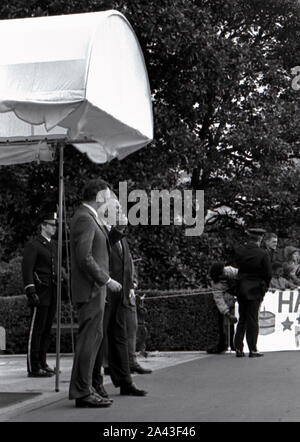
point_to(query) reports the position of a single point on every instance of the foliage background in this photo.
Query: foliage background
(225, 115)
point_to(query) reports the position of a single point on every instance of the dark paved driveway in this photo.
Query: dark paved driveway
(217, 388)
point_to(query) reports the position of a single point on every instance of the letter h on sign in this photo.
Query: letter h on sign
(289, 301)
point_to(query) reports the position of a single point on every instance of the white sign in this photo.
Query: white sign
(279, 321)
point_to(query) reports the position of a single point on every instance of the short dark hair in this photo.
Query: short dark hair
(216, 271)
(92, 187)
(269, 235)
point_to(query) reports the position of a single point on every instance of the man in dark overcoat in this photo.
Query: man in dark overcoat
(115, 343)
(39, 269)
(254, 276)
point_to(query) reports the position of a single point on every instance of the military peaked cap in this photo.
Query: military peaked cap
(256, 232)
(48, 216)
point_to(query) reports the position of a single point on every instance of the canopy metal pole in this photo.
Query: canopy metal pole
(68, 273)
(59, 260)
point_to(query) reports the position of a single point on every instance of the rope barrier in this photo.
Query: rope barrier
(172, 296)
(184, 293)
(175, 293)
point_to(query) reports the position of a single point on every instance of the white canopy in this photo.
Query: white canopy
(81, 78)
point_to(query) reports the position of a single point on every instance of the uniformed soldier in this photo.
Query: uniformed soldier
(39, 268)
(254, 276)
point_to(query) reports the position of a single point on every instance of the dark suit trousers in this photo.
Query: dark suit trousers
(131, 325)
(248, 323)
(89, 338)
(115, 343)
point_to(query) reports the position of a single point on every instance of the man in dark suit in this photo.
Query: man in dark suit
(254, 276)
(90, 279)
(39, 269)
(115, 343)
(269, 243)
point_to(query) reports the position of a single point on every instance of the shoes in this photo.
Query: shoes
(255, 354)
(137, 368)
(48, 369)
(239, 354)
(100, 390)
(40, 373)
(92, 401)
(213, 351)
(131, 390)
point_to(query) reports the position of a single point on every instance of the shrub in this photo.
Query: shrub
(11, 282)
(15, 318)
(183, 323)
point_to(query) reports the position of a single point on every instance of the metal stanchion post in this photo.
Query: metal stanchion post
(228, 337)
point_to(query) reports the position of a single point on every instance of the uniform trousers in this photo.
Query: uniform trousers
(248, 324)
(89, 338)
(114, 343)
(39, 335)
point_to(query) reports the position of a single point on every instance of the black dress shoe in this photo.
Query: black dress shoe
(215, 351)
(92, 401)
(48, 369)
(39, 374)
(137, 368)
(255, 354)
(239, 354)
(131, 390)
(100, 390)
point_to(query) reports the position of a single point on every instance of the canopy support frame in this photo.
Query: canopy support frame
(59, 260)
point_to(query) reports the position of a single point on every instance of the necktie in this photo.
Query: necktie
(119, 245)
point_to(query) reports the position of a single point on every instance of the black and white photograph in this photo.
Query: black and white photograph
(149, 215)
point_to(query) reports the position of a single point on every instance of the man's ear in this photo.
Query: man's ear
(101, 196)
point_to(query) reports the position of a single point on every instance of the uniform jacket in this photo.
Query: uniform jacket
(122, 269)
(90, 250)
(39, 267)
(255, 271)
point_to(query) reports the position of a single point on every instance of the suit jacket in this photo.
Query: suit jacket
(255, 271)
(39, 268)
(90, 251)
(121, 268)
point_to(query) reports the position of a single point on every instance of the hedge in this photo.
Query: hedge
(15, 318)
(183, 323)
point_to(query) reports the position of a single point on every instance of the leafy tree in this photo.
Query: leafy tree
(224, 112)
